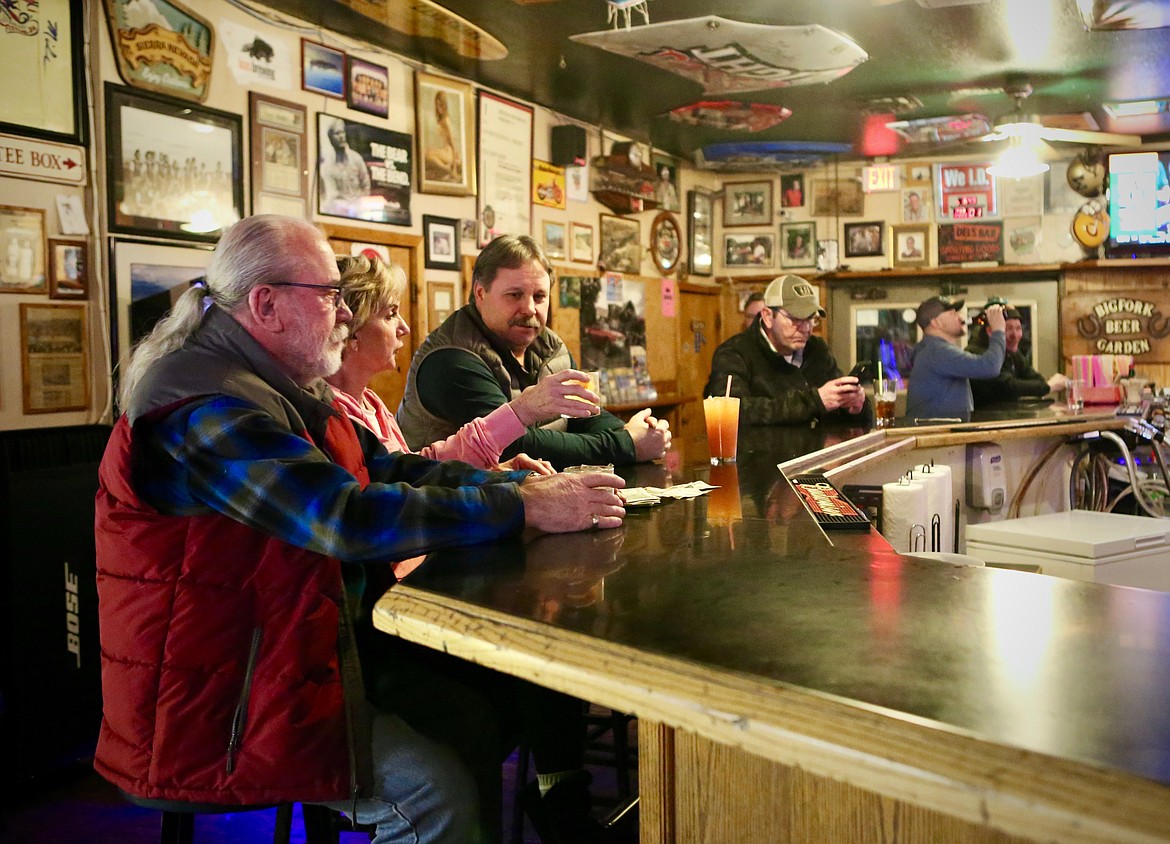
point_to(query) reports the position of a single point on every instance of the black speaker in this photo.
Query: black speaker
(50, 670)
(568, 146)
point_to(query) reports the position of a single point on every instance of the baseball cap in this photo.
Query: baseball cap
(934, 306)
(795, 295)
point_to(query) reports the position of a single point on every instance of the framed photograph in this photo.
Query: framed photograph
(174, 167)
(322, 69)
(665, 242)
(581, 243)
(700, 232)
(917, 176)
(747, 203)
(910, 245)
(505, 167)
(367, 87)
(749, 250)
(145, 280)
(68, 269)
(828, 255)
(916, 205)
(22, 250)
(363, 171)
(280, 158)
(863, 240)
(666, 182)
(832, 198)
(798, 245)
(441, 241)
(44, 84)
(577, 183)
(469, 225)
(440, 302)
(621, 246)
(554, 239)
(445, 125)
(54, 358)
(792, 191)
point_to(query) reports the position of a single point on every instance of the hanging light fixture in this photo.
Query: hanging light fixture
(1020, 160)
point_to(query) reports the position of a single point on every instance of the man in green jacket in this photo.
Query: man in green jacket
(490, 350)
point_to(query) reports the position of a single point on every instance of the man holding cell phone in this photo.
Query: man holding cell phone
(781, 372)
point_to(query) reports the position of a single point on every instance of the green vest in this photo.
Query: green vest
(464, 329)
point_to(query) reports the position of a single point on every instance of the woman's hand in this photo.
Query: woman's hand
(522, 461)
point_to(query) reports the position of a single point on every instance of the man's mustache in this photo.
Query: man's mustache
(525, 323)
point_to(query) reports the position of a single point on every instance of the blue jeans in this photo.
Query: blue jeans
(426, 795)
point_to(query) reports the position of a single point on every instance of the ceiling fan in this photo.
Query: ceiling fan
(1017, 127)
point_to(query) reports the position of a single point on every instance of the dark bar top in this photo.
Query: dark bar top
(742, 580)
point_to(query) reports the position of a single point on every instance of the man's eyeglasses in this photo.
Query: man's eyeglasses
(335, 290)
(809, 322)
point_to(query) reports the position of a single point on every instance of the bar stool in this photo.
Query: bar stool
(178, 819)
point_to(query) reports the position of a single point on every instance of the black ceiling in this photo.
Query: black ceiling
(942, 56)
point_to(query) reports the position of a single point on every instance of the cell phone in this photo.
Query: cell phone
(862, 371)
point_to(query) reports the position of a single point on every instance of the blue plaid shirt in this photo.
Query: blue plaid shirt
(225, 455)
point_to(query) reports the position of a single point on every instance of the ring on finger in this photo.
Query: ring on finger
(596, 520)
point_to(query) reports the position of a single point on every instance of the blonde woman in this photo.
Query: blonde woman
(373, 291)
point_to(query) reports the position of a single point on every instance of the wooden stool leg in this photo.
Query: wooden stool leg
(283, 831)
(178, 828)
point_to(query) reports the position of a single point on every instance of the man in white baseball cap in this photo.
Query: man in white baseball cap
(782, 373)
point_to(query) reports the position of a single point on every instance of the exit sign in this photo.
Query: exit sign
(881, 177)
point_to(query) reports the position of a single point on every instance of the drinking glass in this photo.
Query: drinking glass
(885, 396)
(594, 384)
(1074, 395)
(722, 415)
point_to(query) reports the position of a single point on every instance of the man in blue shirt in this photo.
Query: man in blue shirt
(940, 386)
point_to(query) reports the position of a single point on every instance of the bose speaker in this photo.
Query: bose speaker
(568, 146)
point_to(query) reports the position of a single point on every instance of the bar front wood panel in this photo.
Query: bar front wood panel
(991, 788)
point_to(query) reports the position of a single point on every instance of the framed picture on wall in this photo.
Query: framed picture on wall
(554, 239)
(22, 250)
(322, 69)
(747, 203)
(440, 303)
(145, 280)
(863, 240)
(363, 172)
(665, 242)
(54, 358)
(505, 167)
(910, 245)
(621, 246)
(68, 269)
(837, 198)
(749, 250)
(280, 158)
(43, 95)
(798, 245)
(792, 190)
(367, 87)
(441, 242)
(445, 125)
(581, 243)
(700, 232)
(666, 182)
(174, 168)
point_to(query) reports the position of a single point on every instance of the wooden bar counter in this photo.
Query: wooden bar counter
(798, 687)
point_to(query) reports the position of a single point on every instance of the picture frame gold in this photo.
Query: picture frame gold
(910, 245)
(621, 246)
(747, 203)
(446, 141)
(54, 357)
(441, 302)
(665, 243)
(554, 239)
(22, 250)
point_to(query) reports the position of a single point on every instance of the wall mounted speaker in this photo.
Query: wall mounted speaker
(568, 146)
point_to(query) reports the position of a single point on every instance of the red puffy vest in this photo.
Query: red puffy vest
(221, 677)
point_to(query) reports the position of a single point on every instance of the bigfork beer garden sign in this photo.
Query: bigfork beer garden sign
(1123, 322)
